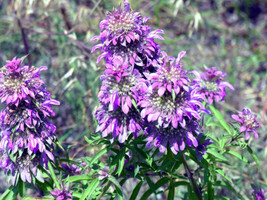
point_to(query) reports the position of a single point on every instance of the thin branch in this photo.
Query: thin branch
(25, 42)
(192, 181)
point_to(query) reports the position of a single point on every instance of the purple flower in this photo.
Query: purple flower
(72, 169)
(124, 34)
(211, 85)
(119, 89)
(177, 138)
(258, 194)
(62, 194)
(118, 123)
(248, 122)
(17, 83)
(103, 173)
(26, 133)
(170, 76)
(167, 99)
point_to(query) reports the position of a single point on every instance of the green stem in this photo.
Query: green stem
(104, 190)
(53, 175)
(192, 181)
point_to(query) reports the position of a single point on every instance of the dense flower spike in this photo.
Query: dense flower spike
(27, 135)
(172, 106)
(168, 99)
(119, 88)
(248, 122)
(211, 85)
(258, 194)
(170, 76)
(177, 137)
(16, 83)
(118, 123)
(62, 194)
(124, 34)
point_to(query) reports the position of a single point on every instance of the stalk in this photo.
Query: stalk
(192, 181)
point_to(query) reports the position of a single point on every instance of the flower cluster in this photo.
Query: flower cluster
(248, 122)
(27, 135)
(62, 194)
(171, 107)
(124, 33)
(258, 194)
(143, 89)
(129, 49)
(211, 85)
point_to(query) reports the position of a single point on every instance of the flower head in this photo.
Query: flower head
(211, 85)
(17, 83)
(62, 194)
(119, 88)
(170, 76)
(248, 122)
(118, 123)
(125, 33)
(26, 133)
(258, 194)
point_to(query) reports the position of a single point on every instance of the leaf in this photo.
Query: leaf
(220, 118)
(254, 157)
(117, 185)
(160, 183)
(90, 189)
(223, 175)
(98, 155)
(136, 190)
(237, 155)
(6, 193)
(216, 154)
(171, 190)
(79, 178)
(121, 162)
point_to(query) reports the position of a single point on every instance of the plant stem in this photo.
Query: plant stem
(53, 175)
(25, 42)
(104, 190)
(192, 181)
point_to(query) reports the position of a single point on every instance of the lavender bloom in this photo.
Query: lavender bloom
(258, 194)
(170, 76)
(177, 137)
(172, 108)
(118, 123)
(162, 105)
(248, 122)
(211, 85)
(27, 135)
(119, 88)
(124, 33)
(62, 194)
(16, 83)
(72, 169)
(103, 173)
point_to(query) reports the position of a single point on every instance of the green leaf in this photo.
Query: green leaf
(79, 178)
(220, 118)
(117, 185)
(237, 155)
(160, 183)
(88, 140)
(6, 193)
(136, 190)
(171, 190)
(222, 197)
(121, 162)
(223, 175)
(53, 175)
(254, 157)
(22, 189)
(90, 189)
(99, 154)
(216, 154)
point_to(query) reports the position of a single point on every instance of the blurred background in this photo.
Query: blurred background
(230, 35)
